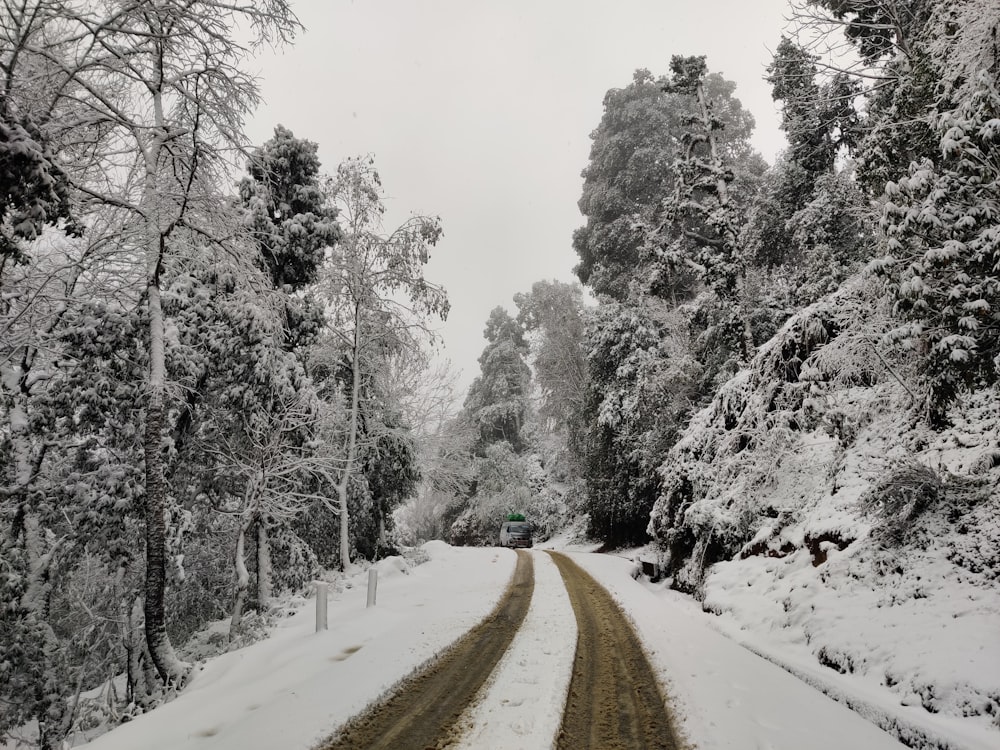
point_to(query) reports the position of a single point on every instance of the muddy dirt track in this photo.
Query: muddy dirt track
(422, 712)
(614, 701)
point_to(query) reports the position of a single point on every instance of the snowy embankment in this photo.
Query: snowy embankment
(726, 697)
(297, 686)
(829, 528)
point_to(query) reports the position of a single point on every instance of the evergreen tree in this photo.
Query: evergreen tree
(497, 402)
(552, 313)
(701, 221)
(292, 223)
(33, 187)
(943, 226)
(631, 171)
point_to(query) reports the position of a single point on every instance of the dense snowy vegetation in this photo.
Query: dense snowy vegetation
(787, 383)
(195, 410)
(782, 378)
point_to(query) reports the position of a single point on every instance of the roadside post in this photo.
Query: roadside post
(321, 591)
(372, 586)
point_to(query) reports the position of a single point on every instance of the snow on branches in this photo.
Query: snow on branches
(942, 223)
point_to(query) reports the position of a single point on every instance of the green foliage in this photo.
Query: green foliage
(290, 218)
(391, 472)
(818, 118)
(899, 128)
(809, 219)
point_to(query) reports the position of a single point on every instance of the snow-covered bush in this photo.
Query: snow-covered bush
(717, 480)
(908, 490)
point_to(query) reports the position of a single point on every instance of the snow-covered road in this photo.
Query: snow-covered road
(298, 686)
(521, 705)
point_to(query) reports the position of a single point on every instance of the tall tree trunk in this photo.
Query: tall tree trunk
(242, 582)
(263, 565)
(713, 145)
(171, 669)
(142, 676)
(352, 441)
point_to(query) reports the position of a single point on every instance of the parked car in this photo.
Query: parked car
(515, 534)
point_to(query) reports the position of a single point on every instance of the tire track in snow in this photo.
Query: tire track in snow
(423, 710)
(521, 705)
(614, 701)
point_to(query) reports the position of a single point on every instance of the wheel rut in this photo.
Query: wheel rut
(423, 710)
(614, 699)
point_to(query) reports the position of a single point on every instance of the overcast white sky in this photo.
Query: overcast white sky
(480, 113)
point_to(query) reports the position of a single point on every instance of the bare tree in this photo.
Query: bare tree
(377, 295)
(274, 456)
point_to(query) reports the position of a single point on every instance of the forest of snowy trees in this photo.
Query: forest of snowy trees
(214, 379)
(194, 341)
(697, 253)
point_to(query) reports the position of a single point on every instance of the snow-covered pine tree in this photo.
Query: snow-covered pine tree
(498, 398)
(942, 224)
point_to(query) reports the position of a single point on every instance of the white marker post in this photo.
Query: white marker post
(321, 589)
(372, 586)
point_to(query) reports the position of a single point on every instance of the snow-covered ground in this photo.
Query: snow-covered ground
(297, 686)
(521, 705)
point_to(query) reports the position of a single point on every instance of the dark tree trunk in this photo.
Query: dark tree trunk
(170, 669)
(156, 532)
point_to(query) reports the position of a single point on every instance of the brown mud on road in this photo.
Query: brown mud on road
(422, 711)
(614, 700)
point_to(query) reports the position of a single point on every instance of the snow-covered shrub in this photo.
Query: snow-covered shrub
(716, 479)
(253, 627)
(911, 489)
(509, 483)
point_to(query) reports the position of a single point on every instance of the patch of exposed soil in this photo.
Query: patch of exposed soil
(422, 711)
(614, 700)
